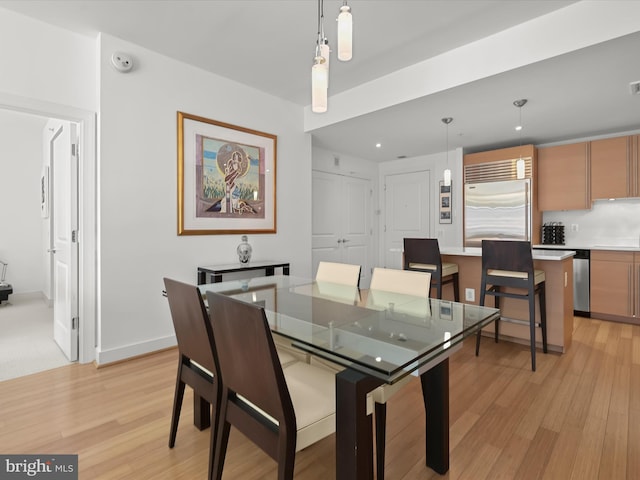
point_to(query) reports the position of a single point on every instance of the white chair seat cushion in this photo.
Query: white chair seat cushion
(385, 392)
(423, 266)
(447, 268)
(287, 353)
(285, 357)
(539, 274)
(313, 393)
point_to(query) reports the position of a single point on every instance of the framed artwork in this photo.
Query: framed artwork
(444, 201)
(226, 178)
(44, 192)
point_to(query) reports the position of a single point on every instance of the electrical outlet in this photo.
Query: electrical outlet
(470, 294)
(574, 227)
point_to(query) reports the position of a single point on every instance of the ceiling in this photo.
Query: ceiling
(269, 45)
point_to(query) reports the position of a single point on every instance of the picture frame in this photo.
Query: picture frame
(226, 178)
(44, 192)
(444, 203)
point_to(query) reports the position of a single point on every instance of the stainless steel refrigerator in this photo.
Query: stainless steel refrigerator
(497, 211)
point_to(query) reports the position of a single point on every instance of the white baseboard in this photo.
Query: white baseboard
(24, 296)
(117, 354)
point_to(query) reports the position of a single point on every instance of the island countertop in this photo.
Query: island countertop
(537, 254)
(558, 268)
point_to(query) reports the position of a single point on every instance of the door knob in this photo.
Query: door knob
(51, 250)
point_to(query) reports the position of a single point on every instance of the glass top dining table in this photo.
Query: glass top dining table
(380, 338)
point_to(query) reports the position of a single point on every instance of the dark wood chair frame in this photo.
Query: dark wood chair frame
(427, 251)
(197, 362)
(513, 256)
(237, 325)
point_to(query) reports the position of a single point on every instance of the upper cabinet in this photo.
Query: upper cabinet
(613, 168)
(563, 177)
(571, 176)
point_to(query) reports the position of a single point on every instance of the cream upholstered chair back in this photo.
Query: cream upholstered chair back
(407, 282)
(344, 273)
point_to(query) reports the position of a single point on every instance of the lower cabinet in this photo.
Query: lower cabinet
(615, 285)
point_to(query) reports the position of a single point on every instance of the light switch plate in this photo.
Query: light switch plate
(470, 294)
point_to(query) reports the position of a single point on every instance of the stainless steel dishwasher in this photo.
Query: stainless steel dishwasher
(581, 283)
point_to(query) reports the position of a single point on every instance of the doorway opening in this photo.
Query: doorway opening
(30, 278)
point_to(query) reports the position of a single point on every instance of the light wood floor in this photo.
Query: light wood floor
(577, 417)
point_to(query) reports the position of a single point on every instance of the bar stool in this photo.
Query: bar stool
(510, 264)
(423, 255)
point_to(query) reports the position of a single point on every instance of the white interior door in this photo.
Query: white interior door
(64, 224)
(341, 223)
(407, 212)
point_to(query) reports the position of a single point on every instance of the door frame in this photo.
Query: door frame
(88, 295)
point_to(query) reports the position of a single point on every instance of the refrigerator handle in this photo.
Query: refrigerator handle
(527, 212)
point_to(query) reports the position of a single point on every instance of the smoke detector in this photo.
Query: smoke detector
(634, 87)
(122, 62)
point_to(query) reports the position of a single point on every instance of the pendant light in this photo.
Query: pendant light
(520, 166)
(320, 68)
(447, 171)
(345, 33)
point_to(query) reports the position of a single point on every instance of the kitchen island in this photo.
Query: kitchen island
(558, 268)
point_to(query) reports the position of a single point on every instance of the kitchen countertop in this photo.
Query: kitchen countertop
(555, 254)
(622, 248)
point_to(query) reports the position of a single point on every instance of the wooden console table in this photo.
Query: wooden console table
(215, 272)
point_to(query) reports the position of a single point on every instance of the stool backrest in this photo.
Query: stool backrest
(507, 255)
(424, 251)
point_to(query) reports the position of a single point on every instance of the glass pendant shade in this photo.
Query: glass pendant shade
(345, 34)
(447, 171)
(447, 178)
(325, 53)
(319, 85)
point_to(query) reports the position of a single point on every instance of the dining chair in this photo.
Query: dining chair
(329, 276)
(343, 273)
(423, 255)
(197, 360)
(280, 410)
(406, 282)
(508, 264)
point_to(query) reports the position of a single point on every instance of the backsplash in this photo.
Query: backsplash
(611, 223)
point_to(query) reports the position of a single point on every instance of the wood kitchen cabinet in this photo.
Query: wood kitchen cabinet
(563, 177)
(615, 285)
(614, 168)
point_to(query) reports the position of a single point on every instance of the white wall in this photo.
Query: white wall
(21, 226)
(136, 187)
(47, 63)
(139, 244)
(448, 235)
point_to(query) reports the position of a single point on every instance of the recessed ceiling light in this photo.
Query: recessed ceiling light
(378, 145)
